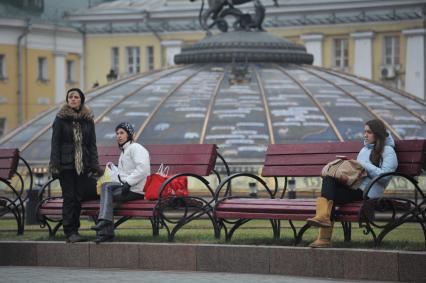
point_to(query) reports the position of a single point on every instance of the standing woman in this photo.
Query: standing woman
(73, 157)
(377, 156)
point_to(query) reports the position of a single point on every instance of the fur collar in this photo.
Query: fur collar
(68, 113)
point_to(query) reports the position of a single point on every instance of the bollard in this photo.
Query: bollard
(291, 193)
(31, 207)
(253, 189)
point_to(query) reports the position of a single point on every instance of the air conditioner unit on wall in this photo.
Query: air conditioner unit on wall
(388, 72)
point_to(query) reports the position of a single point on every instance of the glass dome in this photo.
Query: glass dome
(241, 102)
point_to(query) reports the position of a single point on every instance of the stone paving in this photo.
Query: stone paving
(14, 274)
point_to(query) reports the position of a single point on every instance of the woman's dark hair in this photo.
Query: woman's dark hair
(379, 130)
(128, 128)
(79, 91)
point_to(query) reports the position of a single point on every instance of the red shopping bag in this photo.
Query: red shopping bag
(180, 186)
(177, 187)
(153, 184)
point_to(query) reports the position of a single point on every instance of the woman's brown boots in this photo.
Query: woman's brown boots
(322, 220)
(322, 217)
(324, 238)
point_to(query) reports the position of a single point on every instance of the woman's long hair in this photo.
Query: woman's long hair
(380, 134)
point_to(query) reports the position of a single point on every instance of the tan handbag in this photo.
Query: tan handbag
(347, 172)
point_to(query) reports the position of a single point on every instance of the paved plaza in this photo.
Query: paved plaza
(13, 274)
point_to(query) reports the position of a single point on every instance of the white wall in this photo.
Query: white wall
(313, 43)
(172, 47)
(415, 62)
(363, 65)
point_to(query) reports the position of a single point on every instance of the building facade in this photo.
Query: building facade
(40, 57)
(379, 40)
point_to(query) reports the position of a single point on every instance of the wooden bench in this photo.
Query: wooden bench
(307, 160)
(191, 160)
(15, 184)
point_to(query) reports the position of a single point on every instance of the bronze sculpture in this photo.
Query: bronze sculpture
(219, 9)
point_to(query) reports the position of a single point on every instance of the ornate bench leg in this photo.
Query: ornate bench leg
(347, 231)
(52, 232)
(219, 226)
(10, 206)
(236, 225)
(155, 224)
(299, 236)
(276, 227)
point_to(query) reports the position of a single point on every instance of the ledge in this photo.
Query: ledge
(293, 261)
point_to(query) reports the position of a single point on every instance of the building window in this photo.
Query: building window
(71, 71)
(150, 57)
(391, 50)
(115, 59)
(340, 47)
(42, 69)
(3, 74)
(133, 60)
(2, 126)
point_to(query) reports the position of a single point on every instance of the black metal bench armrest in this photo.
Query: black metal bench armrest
(43, 188)
(171, 178)
(377, 178)
(236, 175)
(30, 173)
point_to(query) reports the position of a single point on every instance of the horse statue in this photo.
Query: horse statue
(218, 9)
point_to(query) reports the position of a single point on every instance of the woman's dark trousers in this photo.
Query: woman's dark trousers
(110, 193)
(338, 193)
(71, 207)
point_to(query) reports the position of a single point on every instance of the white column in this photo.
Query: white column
(60, 86)
(82, 86)
(172, 47)
(415, 62)
(363, 63)
(313, 43)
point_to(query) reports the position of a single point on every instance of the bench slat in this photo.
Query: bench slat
(6, 174)
(268, 201)
(179, 159)
(268, 208)
(322, 159)
(196, 159)
(9, 152)
(410, 145)
(9, 159)
(331, 147)
(253, 215)
(161, 149)
(7, 162)
(413, 169)
(303, 159)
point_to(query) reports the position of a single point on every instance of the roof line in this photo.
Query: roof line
(98, 119)
(211, 104)
(265, 106)
(13, 133)
(407, 95)
(400, 91)
(45, 129)
(391, 129)
(149, 118)
(318, 104)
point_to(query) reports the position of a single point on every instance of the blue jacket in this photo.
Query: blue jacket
(389, 164)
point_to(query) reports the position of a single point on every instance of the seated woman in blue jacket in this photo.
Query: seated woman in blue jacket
(133, 169)
(377, 157)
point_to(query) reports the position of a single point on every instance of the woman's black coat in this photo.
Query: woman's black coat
(63, 148)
